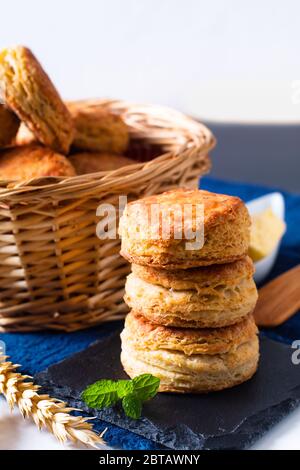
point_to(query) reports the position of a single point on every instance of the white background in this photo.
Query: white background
(218, 59)
(226, 60)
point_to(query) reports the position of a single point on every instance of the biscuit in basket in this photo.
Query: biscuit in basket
(28, 91)
(9, 124)
(33, 161)
(97, 128)
(190, 360)
(225, 223)
(93, 162)
(206, 297)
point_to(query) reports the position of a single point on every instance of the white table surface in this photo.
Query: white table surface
(19, 434)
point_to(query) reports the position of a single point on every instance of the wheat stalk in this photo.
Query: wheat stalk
(45, 411)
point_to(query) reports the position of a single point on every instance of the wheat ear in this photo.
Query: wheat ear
(45, 411)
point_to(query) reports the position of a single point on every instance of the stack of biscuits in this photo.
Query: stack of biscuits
(191, 322)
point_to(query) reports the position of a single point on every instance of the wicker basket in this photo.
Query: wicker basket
(54, 271)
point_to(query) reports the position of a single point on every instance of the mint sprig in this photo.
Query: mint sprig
(131, 393)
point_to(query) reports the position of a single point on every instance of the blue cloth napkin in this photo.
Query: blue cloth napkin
(36, 351)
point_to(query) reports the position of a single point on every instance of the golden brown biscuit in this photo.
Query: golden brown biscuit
(206, 297)
(97, 128)
(33, 161)
(9, 124)
(28, 91)
(146, 335)
(93, 162)
(200, 360)
(226, 226)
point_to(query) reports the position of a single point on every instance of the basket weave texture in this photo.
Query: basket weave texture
(54, 270)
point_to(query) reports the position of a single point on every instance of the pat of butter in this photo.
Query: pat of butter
(266, 231)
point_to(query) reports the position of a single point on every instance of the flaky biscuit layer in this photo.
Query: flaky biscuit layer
(142, 334)
(207, 307)
(228, 274)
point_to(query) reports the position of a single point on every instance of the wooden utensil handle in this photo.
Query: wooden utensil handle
(279, 299)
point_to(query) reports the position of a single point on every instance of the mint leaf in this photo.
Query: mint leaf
(132, 406)
(145, 386)
(101, 394)
(124, 387)
(105, 393)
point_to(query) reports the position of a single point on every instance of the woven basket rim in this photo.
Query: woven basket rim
(190, 134)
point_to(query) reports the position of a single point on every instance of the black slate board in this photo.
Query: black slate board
(230, 419)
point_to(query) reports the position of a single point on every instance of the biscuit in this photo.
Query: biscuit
(97, 129)
(93, 162)
(9, 124)
(206, 297)
(28, 91)
(184, 360)
(226, 225)
(33, 161)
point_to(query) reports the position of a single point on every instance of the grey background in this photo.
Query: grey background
(261, 154)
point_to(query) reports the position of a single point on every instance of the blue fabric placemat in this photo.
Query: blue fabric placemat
(36, 351)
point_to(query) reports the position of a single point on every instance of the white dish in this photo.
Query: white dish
(276, 202)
